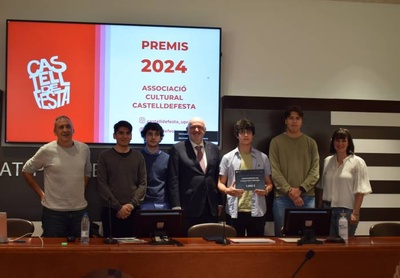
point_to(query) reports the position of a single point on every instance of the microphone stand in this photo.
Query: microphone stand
(308, 256)
(224, 240)
(110, 239)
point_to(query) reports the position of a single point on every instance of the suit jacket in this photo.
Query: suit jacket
(189, 187)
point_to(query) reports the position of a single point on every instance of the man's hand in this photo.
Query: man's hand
(231, 190)
(295, 195)
(125, 211)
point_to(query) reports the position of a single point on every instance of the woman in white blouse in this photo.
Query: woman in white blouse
(344, 181)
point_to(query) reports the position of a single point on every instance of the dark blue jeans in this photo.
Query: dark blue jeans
(61, 223)
(153, 206)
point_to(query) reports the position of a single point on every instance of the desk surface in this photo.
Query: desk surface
(361, 257)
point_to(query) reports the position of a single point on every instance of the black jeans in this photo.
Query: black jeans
(119, 227)
(245, 224)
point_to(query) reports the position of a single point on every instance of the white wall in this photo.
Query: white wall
(297, 48)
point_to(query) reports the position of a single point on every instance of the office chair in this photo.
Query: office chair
(210, 230)
(17, 227)
(385, 229)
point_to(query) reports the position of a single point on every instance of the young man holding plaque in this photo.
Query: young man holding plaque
(246, 204)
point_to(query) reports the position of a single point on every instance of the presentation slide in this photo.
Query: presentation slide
(99, 74)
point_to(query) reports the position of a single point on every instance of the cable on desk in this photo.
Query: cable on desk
(19, 238)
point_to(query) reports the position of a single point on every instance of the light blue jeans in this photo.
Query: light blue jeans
(283, 202)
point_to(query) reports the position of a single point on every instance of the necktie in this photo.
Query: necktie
(200, 158)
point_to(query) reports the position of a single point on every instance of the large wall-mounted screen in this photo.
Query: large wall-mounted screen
(98, 74)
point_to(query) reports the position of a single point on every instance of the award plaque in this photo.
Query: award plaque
(250, 179)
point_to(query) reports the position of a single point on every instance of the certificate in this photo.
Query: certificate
(250, 179)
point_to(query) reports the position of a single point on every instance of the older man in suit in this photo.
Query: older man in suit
(193, 176)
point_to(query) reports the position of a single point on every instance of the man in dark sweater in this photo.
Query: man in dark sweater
(122, 179)
(156, 166)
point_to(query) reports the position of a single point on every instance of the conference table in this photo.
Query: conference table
(196, 257)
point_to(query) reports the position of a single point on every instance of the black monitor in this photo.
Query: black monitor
(159, 225)
(307, 223)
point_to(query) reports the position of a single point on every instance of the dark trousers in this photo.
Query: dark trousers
(205, 217)
(61, 223)
(119, 227)
(245, 224)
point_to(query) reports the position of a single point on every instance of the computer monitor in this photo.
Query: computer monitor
(308, 223)
(159, 225)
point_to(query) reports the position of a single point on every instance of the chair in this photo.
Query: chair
(17, 227)
(211, 229)
(385, 229)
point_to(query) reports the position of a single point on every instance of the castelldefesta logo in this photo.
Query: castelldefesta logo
(49, 88)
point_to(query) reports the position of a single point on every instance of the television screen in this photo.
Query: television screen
(299, 221)
(99, 74)
(158, 223)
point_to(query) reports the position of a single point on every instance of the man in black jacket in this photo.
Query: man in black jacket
(192, 188)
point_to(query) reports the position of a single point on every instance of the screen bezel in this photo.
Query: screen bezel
(146, 223)
(294, 222)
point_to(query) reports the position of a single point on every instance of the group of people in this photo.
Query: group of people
(193, 177)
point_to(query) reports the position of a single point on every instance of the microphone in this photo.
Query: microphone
(310, 254)
(110, 239)
(224, 240)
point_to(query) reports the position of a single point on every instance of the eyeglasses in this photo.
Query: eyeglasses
(245, 132)
(199, 127)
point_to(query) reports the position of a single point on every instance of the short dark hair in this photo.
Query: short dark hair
(152, 126)
(294, 108)
(242, 125)
(342, 133)
(122, 124)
